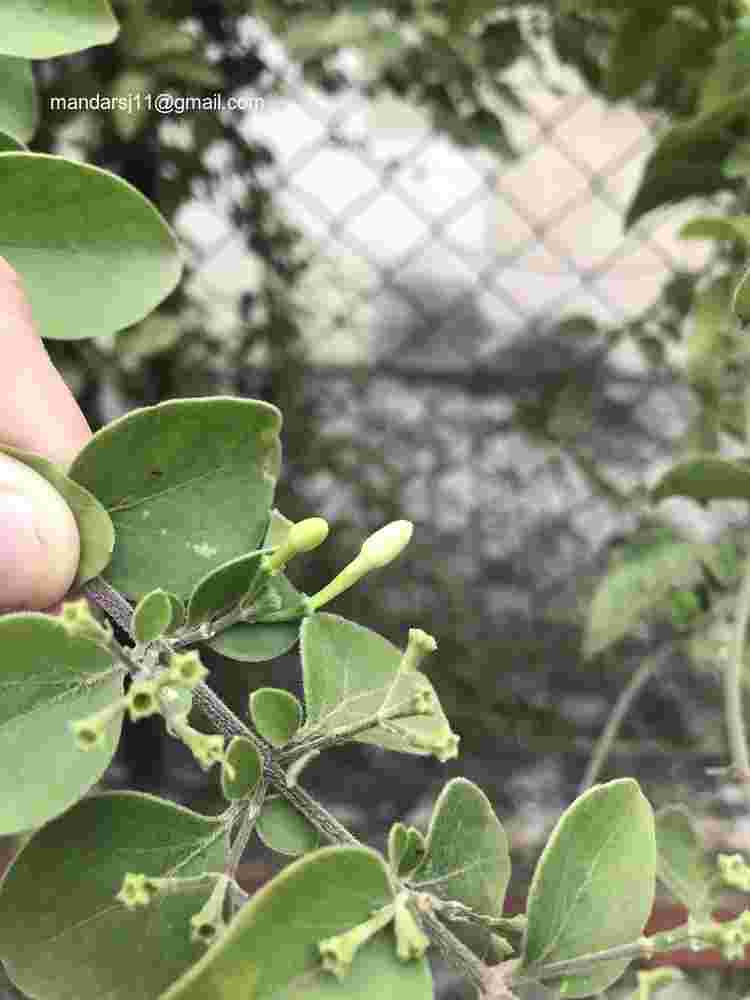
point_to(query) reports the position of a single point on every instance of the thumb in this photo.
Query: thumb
(39, 544)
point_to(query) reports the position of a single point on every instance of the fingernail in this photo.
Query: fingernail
(20, 551)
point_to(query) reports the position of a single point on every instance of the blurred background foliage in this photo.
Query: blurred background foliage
(686, 63)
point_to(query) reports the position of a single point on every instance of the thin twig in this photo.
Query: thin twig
(621, 708)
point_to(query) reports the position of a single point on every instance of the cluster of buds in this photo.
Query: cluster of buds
(734, 871)
(144, 698)
(411, 941)
(731, 937)
(338, 952)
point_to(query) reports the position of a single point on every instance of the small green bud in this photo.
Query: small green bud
(90, 732)
(208, 923)
(208, 749)
(185, 670)
(303, 537)
(449, 749)
(78, 621)
(143, 699)
(338, 952)
(421, 644)
(137, 890)
(734, 871)
(411, 940)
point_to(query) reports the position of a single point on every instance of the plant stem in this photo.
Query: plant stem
(115, 605)
(345, 734)
(249, 818)
(621, 708)
(733, 672)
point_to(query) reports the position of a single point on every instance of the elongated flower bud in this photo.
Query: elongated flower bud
(303, 537)
(386, 544)
(377, 551)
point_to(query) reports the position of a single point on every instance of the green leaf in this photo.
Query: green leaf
(265, 639)
(708, 345)
(705, 478)
(270, 951)
(63, 225)
(734, 227)
(256, 643)
(179, 613)
(95, 528)
(593, 886)
(152, 616)
(285, 830)
(54, 27)
(632, 587)
(188, 484)
(245, 759)
(349, 672)
(648, 41)
(688, 159)
(48, 679)
(682, 862)
(406, 848)
(276, 713)
(10, 145)
(223, 588)
(65, 936)
(18, 106)
(467, 850)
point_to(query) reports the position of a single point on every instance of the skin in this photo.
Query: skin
(39, 544)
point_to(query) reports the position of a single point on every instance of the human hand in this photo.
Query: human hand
(39, 544)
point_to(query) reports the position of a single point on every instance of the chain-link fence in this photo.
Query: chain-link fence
(440, 272)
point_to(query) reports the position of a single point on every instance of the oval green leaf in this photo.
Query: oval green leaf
(152, 616)
(646, 573)
(63, 225)
(705, 478)
(188, 484)
(682, 861)
(54, 27)
(282, 828)
(256, 643)
(95, 528)
(406, 848)
(65, 936)
(49, 679)
(179, 612)
(276, 714)
(18, 106)
(466, 855)
(223, 588)
(270, 951)
(248, 767)
(350, 672)
(593, 887)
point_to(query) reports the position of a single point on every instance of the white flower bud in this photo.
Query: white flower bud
(386, 544)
